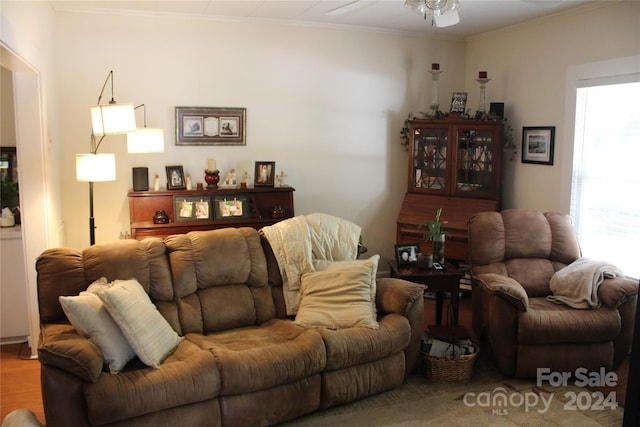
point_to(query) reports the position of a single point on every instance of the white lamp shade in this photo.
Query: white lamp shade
(111, 119)
(146, 140)
(96, 167)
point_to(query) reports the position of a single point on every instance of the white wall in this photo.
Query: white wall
(26, 47)
(528, 64)
(325, 104)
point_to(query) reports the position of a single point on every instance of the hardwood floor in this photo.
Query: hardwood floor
(19, 381)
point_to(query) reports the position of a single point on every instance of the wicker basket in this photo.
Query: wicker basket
(449, 368)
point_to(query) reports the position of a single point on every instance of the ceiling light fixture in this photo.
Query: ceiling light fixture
(444, 13)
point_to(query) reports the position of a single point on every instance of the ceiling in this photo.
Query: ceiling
(476, 16)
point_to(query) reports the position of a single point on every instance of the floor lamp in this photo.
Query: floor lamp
(106, 119)
(144, 139)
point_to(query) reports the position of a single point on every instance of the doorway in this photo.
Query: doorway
(33, 191)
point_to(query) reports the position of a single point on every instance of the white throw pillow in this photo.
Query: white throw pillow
(323, 265)
(89, 317)
(339, 297)
(150, 335)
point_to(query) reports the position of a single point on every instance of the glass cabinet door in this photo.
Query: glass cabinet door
(429, 164)
(475, 162)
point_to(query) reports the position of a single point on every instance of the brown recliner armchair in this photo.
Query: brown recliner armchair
(513, 255)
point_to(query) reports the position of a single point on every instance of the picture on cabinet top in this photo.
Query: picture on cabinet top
(459, 102)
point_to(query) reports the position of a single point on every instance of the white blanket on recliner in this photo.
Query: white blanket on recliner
(577, 284)
(297, 241)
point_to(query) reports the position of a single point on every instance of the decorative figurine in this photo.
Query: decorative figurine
(230, 179)
(245, 178)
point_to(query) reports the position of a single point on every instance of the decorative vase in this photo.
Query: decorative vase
(160, 217)
(277, 212)
(7, 221)
(425, 260)
(212, 178)
(438, 249)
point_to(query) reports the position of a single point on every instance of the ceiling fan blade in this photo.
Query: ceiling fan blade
(446, 19)
(356, 4)
(545, 3)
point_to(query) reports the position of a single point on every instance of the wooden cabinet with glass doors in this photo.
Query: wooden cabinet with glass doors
(454, 164)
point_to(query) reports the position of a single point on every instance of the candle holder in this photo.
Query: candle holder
(435, 104)
(212, 178)
(483, 89)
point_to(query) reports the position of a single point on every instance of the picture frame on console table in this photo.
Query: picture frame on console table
(232, 206)
(192, 208)
(537, 144)
(264, 175)
(210, 126)
(175, 178)
(407, 254)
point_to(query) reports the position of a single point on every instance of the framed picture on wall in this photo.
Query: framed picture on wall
(210, 126)
(537, 144)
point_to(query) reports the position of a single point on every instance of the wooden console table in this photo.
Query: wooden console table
(257, 205)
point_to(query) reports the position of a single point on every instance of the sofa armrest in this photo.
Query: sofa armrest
(397, 295)
(616, 291)
(504, 287)
(61, 347)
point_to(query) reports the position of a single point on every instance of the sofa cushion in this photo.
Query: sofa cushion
(339, 297)
(358, 381)
(211, 268)
(569, 325)
(146, 330)
(89, 317)
(354, 346)
(188, 375)
(259, 357)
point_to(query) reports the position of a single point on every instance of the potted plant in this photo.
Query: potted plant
(435, 232)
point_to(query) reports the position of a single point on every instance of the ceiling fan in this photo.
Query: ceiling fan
(443, 12)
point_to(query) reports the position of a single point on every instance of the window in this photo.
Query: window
(605, 187)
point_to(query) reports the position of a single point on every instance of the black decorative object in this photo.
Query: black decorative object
(160, 217)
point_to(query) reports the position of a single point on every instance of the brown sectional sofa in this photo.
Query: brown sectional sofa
(241, 361)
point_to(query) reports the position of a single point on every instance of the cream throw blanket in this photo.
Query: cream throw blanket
(297, 241)
(577, 284)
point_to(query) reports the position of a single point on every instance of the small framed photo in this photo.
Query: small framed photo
(175, 178)
(189, 208)
(537, 144)
(231, 206)
(210, 126)
(264, 174)
(459, 102)
(407, 253)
